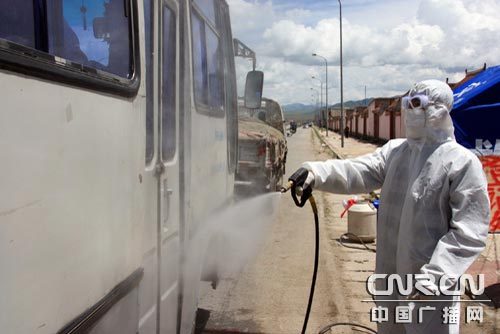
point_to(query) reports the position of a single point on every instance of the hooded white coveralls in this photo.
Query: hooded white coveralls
(434, 210)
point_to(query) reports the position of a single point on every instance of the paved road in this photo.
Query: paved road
(270, 295)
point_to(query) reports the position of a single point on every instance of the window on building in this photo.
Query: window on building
(168, 115)
(207, 57)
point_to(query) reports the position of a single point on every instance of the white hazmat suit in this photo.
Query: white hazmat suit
(434, 210)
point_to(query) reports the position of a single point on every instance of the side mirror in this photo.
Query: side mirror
(253, 89)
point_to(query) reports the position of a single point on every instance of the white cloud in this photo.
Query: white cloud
(438, 39)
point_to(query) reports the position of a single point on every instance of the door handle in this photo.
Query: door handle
(166, 195)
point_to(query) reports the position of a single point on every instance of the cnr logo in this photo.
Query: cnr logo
(485, 147)
(423, 283)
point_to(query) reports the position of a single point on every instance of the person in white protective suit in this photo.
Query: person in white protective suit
(434, 210)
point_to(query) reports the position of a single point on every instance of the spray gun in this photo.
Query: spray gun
(295, 183)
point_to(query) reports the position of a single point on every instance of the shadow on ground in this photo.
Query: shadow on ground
(203, 316)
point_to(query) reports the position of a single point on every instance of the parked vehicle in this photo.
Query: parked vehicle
(113, 114)
(262, 148)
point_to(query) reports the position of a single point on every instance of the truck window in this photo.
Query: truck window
(230, 89)
(87, 43)
(17, 22)
(215, 81)
(199, 61)
(168, 115)
(92, 33)
(207, 58)
(207, 7)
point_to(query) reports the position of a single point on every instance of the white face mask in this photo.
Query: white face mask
(427, 113)
(415, 123)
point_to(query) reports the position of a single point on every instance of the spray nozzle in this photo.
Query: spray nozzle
(287, 186)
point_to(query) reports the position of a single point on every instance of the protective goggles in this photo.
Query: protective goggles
(415, 101)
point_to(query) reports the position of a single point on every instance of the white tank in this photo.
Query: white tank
(362, 221)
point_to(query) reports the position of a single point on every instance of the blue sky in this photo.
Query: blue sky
(388, 45)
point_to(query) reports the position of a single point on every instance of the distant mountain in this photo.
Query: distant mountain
(307, 111)
(353, 104)
(295, 108)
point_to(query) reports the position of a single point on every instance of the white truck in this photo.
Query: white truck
(114, 112)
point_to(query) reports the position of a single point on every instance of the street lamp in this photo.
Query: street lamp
(326, 70)
(341, 83)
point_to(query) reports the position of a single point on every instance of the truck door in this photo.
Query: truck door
(158, 290)
(168, 166)
(169, 188)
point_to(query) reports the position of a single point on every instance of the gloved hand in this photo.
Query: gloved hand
(301, 181)
(309, 182)
(302, 178)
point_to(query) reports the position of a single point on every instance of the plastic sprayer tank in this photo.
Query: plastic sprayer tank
(362, 221)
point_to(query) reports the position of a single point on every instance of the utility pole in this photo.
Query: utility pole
(341, 83)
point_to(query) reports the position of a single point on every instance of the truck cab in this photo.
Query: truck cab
(114, 112)
(262, 148)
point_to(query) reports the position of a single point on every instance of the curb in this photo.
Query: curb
(336, 155)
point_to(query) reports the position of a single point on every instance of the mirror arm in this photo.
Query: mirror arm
(241, 50)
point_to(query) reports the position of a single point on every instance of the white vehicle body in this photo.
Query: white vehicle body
(92, 233)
